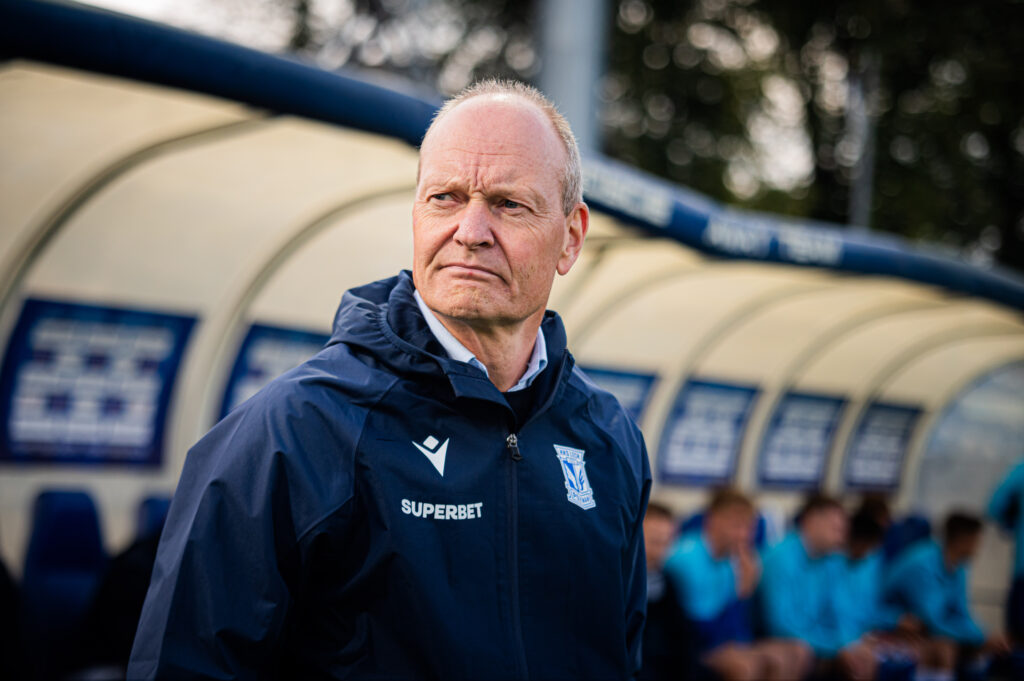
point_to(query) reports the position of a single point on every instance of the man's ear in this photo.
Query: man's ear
(577, 224)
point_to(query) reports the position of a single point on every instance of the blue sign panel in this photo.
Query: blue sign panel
(874, 457)
(702, 437)
(266, 353)
(796, 443)
(88, 384)
(631, 389)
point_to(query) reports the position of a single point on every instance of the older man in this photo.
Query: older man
(439, 492)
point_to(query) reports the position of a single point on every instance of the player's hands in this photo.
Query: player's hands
(997, 645)
(910, 625)
(748, 569)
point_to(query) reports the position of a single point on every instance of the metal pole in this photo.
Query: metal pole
(861, 130)
(572, 42)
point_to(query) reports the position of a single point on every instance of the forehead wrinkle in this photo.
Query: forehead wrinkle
(465, 165)
(477, 157)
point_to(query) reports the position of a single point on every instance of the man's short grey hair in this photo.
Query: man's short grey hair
(572, 176)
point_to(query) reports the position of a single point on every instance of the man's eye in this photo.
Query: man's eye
(509, 203)
(443, 196)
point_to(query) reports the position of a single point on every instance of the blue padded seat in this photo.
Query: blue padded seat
(63, 565)
(903, 533)
(152, 514)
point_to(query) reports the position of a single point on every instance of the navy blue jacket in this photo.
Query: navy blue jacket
(312, 537)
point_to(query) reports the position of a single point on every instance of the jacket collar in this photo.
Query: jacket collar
(382, 320)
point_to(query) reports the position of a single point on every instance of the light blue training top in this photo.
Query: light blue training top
(706, 585)
(802, 597)
(864, 583)
(919, 583)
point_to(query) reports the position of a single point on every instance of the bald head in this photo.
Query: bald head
(511, 93)
(490, 228)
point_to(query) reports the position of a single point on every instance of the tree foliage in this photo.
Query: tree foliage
(750, 102)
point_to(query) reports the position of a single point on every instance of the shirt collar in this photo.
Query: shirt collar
(460, 353)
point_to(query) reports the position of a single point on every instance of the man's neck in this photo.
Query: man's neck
(504, 350)
(813, 552)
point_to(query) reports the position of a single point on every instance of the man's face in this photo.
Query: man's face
(489, 231)
(658, 534)
(963, 549)
(824, 530)
(730, 528)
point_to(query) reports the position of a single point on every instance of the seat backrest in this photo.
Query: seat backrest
(65, 534)
(63, 566)
(903, 533)
(691, 524)
(152, 514)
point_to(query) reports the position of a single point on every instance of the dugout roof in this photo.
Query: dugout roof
(150, 169)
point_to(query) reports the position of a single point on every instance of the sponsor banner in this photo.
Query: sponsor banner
(266, 353)
(794, 450)
(88, 384)
(874, 456)
(631, 389)
(702, 436)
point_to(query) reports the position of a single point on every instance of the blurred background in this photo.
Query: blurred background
(887, 115)
(805, 270)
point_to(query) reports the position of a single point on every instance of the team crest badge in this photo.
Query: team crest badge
(577, 486)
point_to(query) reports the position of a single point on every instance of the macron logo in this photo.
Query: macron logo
(434, 453)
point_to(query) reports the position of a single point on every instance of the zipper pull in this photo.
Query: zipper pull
(512, 442)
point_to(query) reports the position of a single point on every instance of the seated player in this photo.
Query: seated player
(664, 632)
(896, 636)
(716, 571)
(929, 581)
(864, 573)
(801, 593)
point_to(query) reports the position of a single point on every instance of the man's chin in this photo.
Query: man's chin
(468, 311)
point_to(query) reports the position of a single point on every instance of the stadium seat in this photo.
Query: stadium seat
(903, 533)
(63, 565)
(152, 514)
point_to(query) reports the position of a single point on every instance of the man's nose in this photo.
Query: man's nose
(475, 225)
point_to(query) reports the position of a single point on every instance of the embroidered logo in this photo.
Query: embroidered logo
(577, 485)
(434, 453)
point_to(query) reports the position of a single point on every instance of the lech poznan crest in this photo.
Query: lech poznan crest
(576, 483)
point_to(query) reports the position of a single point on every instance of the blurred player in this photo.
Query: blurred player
(716, 570)
(802, 595)
(664, 644)
(929, 581)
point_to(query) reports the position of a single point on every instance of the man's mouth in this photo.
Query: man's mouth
(469, 269)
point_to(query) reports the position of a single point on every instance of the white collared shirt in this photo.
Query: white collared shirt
(460, 353)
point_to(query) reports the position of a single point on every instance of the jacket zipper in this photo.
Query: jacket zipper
(512, 444)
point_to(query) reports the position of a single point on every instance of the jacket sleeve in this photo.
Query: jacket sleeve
(927, 598)
(636, 586)
(1001, 507)
(221, 586)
